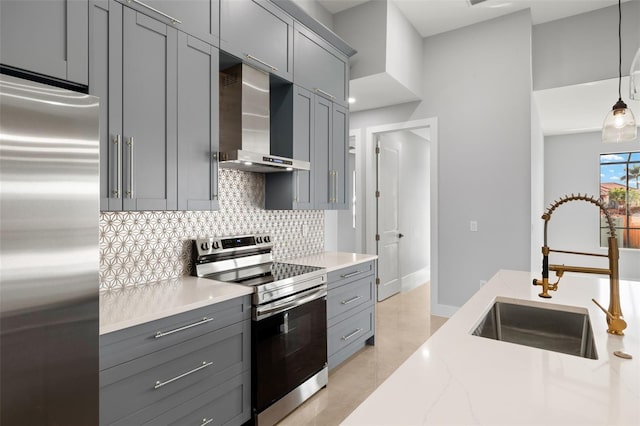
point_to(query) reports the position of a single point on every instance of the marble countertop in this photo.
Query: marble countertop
(333, 260)
(456, 378)
(136, 305)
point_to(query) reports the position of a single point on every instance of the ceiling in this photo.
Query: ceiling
(431, 17)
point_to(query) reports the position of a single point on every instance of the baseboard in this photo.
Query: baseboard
(416, 279)
(446, 311)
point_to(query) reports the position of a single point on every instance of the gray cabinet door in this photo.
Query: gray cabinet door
(105, 81)
(49, 37)
(303, 146)
(197, 124)
(322, 153)
(259, 33)
(339, 155)
(149, 104)
(199, 18)
(320, 67)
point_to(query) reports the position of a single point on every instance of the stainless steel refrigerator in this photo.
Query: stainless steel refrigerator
(49, 214)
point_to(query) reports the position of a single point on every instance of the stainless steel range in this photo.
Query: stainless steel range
(289, 329)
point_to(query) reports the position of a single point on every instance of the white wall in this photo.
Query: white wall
(365, 28)
(404, 50)
(584, 48)
(484, 125)
(316, 11)
(537, 188)
(572, 165)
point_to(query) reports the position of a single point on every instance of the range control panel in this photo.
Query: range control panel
(209, 246)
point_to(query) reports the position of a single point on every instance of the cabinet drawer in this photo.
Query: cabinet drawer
(319, 67)
(125, 345)
(344, 300)
(229, 403)
(351, 331)
(351, 273)
(259, 33)
(172, 376)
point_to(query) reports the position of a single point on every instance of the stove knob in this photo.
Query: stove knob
(216, 245)
(259, 240)
(267, 239)
(204, 246)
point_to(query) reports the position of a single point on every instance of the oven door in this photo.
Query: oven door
(288, 348)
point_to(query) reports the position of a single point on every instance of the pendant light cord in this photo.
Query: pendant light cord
(619, 49)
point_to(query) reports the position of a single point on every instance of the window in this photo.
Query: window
(620, 193)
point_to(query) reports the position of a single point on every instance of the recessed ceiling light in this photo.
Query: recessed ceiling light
(352, 100)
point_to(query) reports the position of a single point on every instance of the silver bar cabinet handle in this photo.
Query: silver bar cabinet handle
(130, 146)
(350, 335)
(214, 176)
(335, 186)
(117, 141)
(169, 17)
(353, 299)
(186, 327)
(253, 58)
(296, 182)
(160, 384)
(206, 422)
(324, 93)
(350, 274)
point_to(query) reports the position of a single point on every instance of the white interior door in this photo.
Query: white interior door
(388, 245)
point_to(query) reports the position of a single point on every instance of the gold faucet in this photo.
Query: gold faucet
(614, 314)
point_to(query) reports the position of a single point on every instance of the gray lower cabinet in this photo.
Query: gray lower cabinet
(133, 69)
(192, 367)
(198, 94)
(259, 33)
(350, 311)
(320, 67)
(49, 37)
(199, 18)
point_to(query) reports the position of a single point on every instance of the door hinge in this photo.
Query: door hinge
(377, 281)
(377, 194)
(377, 237)
(377, 150)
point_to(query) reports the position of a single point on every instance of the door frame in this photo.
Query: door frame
(369, 157)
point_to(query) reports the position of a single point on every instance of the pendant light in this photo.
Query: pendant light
(619, 124)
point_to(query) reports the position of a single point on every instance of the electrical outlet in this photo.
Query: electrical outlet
(473, 226)
(305, 230)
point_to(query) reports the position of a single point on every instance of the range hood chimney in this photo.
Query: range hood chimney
(244, 123)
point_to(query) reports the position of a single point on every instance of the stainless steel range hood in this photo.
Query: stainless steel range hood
(244, 123)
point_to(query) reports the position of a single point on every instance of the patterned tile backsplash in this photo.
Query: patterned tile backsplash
(142, 247)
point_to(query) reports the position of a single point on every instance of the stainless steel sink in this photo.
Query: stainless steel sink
(568, 332)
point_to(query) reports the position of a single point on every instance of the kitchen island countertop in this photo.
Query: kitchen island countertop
(458, 378)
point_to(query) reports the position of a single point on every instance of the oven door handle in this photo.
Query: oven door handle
(317, 294)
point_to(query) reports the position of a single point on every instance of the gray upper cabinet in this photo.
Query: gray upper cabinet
(198, 94)
(48, 37)
(320, 67)
(199, 18)
(291, 138)
(259, 33)
(135, 65)
(330, 160)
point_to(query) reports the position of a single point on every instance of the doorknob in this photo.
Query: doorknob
(400, 235)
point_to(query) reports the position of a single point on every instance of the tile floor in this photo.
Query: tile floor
(403, 323)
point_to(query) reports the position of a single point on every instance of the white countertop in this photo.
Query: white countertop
(457, 378)
(136, 305)
(333, 260)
